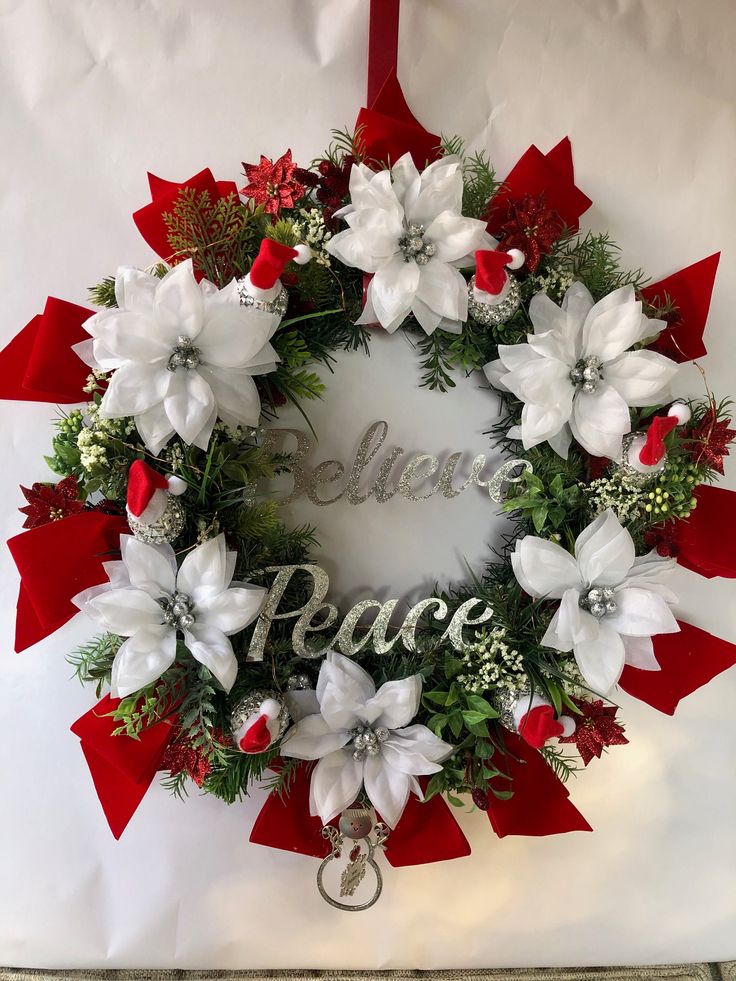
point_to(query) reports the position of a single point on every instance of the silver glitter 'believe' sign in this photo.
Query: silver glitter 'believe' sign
(318, 616)
(414, 472)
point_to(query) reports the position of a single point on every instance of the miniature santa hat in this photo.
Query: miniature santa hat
(264, 279)
(535, 721)
(261, 727)
(490, 269)
(149, 491)
(646, 451)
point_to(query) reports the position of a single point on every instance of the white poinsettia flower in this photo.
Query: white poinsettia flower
(611, 603)
(362, 737)
(576, 375)
(182, 355)
(408, 230)
(149, 602)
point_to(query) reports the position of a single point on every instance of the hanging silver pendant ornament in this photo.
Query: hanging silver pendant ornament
(165, 529)
(490, 314)
(258, 721)
(356, 825)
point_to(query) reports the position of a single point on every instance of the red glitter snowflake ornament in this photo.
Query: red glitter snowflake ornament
(531, 227)
(51, 502)
(273, 184)
(596, 728)
(708, 442)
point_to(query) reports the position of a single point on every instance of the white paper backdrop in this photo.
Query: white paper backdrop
(95, 92)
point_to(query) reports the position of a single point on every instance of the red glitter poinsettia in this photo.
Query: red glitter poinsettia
(334, 184)
(663, 540)
(596, 728)
(708, 442)
(530, 226)
(51, 502)
(182, 756)
(274, 184)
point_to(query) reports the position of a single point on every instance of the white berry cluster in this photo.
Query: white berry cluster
(555, 283)
(489, 662)
(95, 437)
(620, 491)
(311, 229)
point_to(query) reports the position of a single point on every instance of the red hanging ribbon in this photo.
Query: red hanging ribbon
(38, 365)
(540, 803)
(122, 768)
(388, 126)
(56, 561)
(688, 660)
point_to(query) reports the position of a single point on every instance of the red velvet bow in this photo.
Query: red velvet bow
(122, 768)
(39, 365)
(706, 541)
(149, 220)
(540, 802)
(56, 561)
(688, 660)
(426, 832)
(551, 174)
(690, 289)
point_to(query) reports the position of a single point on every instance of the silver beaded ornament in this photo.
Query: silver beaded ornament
(599, 601)
(250, 704)
(489, 314)
(163, 530)
(624, 466)
(278, 305)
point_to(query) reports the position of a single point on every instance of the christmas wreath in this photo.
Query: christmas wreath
(226, 664)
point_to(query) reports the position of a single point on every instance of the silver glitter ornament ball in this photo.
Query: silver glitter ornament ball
(489, 314)
(249, 705)
(641, 477)
(163, 530)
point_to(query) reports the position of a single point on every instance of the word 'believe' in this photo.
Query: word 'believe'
(417, 469)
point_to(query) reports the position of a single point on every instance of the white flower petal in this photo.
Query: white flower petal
(642, 613)
(609, 332)
(211, 647)
(178, 304)
(236, 395)
(149, 567)
(135, 289)
(570, 625)
(124, 611)
(600, 420)
(343, 688)
(540, 423)
(444, 290)
(494, 372)
(577, 303)
(393, 288)
(154, 427)
(601, 661)
(395, 704)
(134, 388)
(546, 316)
(336, 782)
(142, 659)
(544, 569)
(543, 382)
(440, 190)
(640, 377)
(639, 653)
(516, 357)
(132, 337)
(233, 335)
(312, 738)
(387, 789)
(605, 551)
(454, 236)
(416, 750)
(189, 403)
(233, 609)
(204, 570)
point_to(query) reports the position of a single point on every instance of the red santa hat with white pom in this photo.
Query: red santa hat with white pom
(149, 492)
(263, 282)
(645, 452)
(491, 278)
(534, 719)
(261, 728)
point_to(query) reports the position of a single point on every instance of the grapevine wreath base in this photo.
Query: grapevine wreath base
(221, 656)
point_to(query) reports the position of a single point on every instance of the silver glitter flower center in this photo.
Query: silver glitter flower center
(366, 741)
(414, 246)
(599, 601)
(177, 611)
(185, 355)
(586, 374)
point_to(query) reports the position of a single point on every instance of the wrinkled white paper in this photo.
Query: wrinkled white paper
(93, 95)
